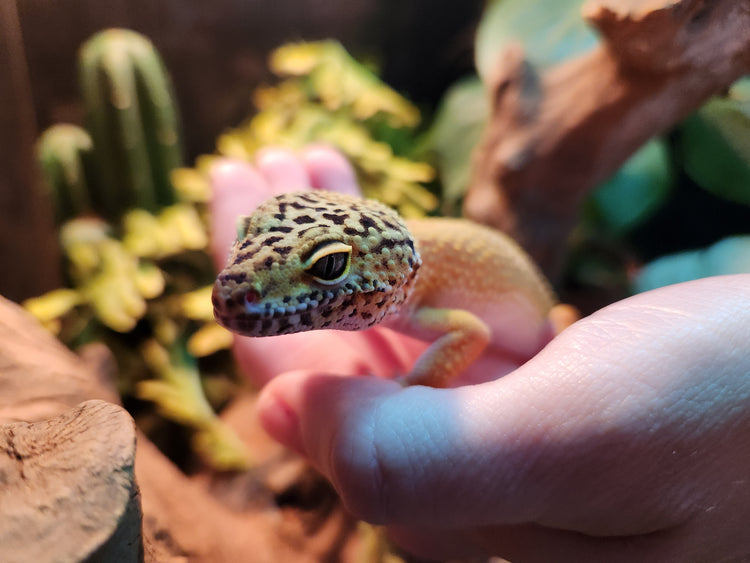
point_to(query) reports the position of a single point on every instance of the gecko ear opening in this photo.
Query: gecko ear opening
(330, 263)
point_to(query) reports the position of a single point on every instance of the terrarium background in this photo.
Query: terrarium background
(216, 53)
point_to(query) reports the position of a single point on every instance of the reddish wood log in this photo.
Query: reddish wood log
(553, 137)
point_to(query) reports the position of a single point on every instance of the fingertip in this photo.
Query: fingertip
(277, 411)
(328, 169)
(237, 190)
(282, 169)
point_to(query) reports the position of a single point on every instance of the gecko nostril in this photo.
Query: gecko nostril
(251, 296)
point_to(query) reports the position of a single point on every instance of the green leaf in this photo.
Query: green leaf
(716, 144)
(549, 30)
(457, 129)
(638, 188)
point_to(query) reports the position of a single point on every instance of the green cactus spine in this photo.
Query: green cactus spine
(132, 119)
(64, 155)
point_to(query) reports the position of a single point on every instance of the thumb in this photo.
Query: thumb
(387, 449)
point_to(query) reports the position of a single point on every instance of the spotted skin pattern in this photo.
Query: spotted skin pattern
(321, 260)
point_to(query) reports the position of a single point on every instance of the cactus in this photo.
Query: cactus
(132, 119)
(64, 155)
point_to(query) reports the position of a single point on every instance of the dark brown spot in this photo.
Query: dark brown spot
(271, 240)
(385, 243)
(240, 258)
(268, 262)
(280, 229)
(283, 250)
(237, 277)
(351, 231)
(306, 319)
(304, 220)
(367, 222)
(335, 219)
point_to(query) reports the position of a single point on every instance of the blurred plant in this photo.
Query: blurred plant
(710, 148)
(328, 97)
(135, 277)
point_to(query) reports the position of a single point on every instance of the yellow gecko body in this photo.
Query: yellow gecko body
(321, 260)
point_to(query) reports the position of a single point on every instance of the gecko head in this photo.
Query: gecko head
(312, 260)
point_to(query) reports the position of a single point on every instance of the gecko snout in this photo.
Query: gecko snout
(225, 300)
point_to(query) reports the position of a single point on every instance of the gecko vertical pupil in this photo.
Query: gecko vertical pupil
(331, 266)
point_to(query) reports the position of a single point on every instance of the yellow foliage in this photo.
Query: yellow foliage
(209, 339)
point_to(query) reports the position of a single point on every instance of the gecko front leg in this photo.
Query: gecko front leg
(461, 339)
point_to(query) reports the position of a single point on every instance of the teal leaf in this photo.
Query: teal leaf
(728, 256)
(550, 31)
(715, 144)
(456, 130)
(636, 190)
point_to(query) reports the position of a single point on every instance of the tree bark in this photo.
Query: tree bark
(68, 490)
(554, 136)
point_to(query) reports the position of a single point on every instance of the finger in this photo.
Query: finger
(329, 170)
(237, 190)
(582, 437)
(282, 169)
(380, 352)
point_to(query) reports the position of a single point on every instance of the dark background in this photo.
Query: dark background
(216, 53)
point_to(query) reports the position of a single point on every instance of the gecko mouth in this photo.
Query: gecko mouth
(241, 312)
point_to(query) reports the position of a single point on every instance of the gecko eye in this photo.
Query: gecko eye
(330, 263)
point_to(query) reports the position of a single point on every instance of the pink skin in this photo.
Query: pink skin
(627, 438)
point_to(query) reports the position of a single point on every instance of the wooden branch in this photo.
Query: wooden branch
(553, 137)
(68, 489)
(67, 478)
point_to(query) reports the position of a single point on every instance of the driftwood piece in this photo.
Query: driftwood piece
(68, 489)
(554, 136)
(278, 511)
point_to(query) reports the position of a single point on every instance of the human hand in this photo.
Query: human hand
(627, 438)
